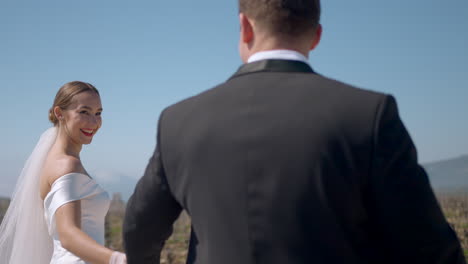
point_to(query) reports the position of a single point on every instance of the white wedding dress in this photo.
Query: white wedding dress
(94, 206)
(28, 233)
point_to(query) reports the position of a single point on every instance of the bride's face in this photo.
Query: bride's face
(83, 117)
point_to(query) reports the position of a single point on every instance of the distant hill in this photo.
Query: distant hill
(4, 202)
(449, 175)
(116, 182)
(445, 175)
(117, 205)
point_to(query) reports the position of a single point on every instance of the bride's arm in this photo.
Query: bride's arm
(73, 239)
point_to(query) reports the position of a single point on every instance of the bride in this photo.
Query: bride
(57, 210)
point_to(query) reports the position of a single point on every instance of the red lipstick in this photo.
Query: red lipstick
(87, 133)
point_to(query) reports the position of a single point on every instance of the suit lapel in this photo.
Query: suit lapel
(273, 66)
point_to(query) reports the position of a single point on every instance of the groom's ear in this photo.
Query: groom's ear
(247, 33)
(317, 37)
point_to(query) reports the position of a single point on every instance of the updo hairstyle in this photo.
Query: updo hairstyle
(64, 96)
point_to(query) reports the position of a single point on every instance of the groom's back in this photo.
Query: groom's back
(271, 168)
(281, 165)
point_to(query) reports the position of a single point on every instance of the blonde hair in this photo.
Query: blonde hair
(65, 94)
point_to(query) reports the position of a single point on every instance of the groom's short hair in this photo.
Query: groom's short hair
(290, 18)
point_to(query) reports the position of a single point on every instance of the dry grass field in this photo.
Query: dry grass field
(454, 205)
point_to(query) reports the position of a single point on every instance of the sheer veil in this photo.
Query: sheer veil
(23, 233)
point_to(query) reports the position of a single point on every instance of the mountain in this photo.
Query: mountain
(115, 182)
(117, 205)
(449, 175)
(445, 175)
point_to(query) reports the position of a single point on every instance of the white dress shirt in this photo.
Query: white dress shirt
(278, 55)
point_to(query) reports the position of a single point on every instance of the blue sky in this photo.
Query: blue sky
(146, 55)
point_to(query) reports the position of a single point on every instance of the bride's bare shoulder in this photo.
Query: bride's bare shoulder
(57, 166)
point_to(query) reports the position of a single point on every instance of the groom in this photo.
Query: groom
(282, 165)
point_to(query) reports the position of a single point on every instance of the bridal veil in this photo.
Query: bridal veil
(24, 236)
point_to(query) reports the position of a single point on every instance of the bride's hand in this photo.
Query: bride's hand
(118, 258)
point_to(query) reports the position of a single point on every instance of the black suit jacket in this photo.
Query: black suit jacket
(282, 165)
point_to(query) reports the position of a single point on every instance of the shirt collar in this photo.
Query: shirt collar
(278, 54)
